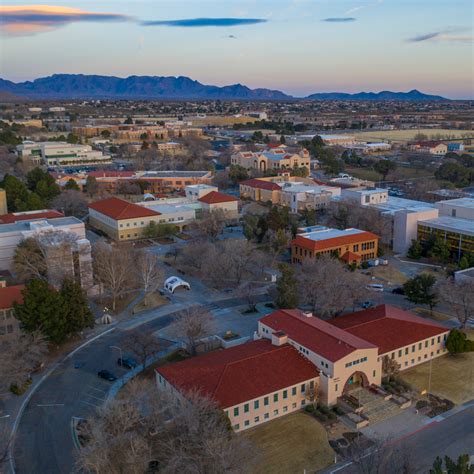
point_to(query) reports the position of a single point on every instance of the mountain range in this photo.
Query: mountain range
(81, 86)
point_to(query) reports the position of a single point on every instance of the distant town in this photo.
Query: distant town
(245, 286)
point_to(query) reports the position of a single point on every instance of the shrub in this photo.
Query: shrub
(331, 415)
(338, 410)
(324, 410)
(421, 404)
(309, 409)
(320, 416)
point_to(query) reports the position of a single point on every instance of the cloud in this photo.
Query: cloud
(31, 19)
(204, 22)
(363, 6)
(448, 36)
(345, 19)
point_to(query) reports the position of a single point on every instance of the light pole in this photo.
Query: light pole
(429, 377)
(120, 351)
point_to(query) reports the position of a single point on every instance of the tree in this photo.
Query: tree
(128, 121)
(105, 134)
(71, 184)
(438, 248)
(460, 298)
(148, 271)
(29, 261)
(142, 344)
(237, 173)
(192, 325)
(92, 187)
(17, 192)
(384, 167)
(461, 466)
(211, 224)
(278, 241)
(287, 288)
(457, 342)
(42, 310)
(71, 202)
(43, 184)
(146, 430)
(390, 367)
(455, 173)
(112, 269)
(159, 231)
(421, 290)
(416, 250)
(21, 354)
(78, 314)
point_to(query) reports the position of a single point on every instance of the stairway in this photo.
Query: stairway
(376, 409)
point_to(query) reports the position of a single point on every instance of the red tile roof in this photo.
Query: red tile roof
(16, 217)
(315, 245)
(260, 184)
(241, 373)
(350, 257)
(388, 327)
(111, 174)
(119, 209)
(215, 197)
(10, 295)
(315, 334)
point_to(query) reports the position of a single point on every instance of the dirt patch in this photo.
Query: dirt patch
(155, 300)
(120, 304)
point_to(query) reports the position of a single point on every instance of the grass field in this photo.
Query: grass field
(451, 378)
(154, 300)
(290, 445)
(401, 173)
(402, 136)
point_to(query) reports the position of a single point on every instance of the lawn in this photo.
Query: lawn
(154, 300)
(452, 376)
(389, 274)
(402, 136)
(291, 444)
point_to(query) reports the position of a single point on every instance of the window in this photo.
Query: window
(406, 363)
(256, 404)
(293, 405)
(246, 408)
(413, 361)
(406, 351)
(247, 423)
(275, 412)
(257, 419)
(420, 345)
(285, 393)
(236, 411)
(285, 409)
(432, 341)
(266, 416)
(426, 356)
(303, 388)
(293, 391)
(419, 358)
(336, 387)
(413, 348)
(265, 401)
(303, 403)
(373, 373)
(426, 343)
(400, 353)
(439, 339)
(275, 397)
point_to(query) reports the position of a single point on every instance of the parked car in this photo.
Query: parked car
(107, 375)
(398, 291)
(127, 362)
(375, 287)
(383, 261)
(367, 304)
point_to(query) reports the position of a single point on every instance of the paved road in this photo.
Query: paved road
(43, 443)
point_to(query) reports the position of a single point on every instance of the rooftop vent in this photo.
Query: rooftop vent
(307, 314)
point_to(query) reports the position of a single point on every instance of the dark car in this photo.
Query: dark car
(127, 362)
(367, 304)
(398, 291)
(107, 375)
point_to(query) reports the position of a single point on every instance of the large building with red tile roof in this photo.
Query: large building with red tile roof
(13, 217)
(351, 245)
(296, 356)
(216, 200)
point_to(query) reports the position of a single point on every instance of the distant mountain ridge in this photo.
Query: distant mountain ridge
(413, 95)
(82, 86)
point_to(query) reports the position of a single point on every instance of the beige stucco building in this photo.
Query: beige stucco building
(271, 159)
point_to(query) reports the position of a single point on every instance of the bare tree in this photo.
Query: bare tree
(191, 325)
(21, 354)
(147, 431)
(71, 202)
(148, 271)
(211, 224)
(142, 344)
(460, 298)
(112, 269)
(390, 367)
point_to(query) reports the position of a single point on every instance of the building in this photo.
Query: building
(271, 159)
(9, 295)
(196, 191)
(431, 147)
(457, 233)
(365, 196)
(63, 241)
(341, 140)
(217, 201)
(62, 154)
(462, 208)
(350, 245)
(297, 357)
(260, 190)
(3, 202)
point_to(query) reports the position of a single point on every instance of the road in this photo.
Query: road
(43, 443)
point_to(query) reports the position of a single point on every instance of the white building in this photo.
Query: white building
(462, 208)
(300, 195)
(365, 196)
(55, 154)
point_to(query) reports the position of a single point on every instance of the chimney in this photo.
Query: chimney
(279, 338)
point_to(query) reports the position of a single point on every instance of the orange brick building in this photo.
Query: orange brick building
(350, 245)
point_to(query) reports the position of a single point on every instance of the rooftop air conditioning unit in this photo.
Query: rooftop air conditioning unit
(307, 314)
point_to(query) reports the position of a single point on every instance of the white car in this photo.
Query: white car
(174, 282)
(375, 287)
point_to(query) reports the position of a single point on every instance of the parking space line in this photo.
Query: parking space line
(97, 398)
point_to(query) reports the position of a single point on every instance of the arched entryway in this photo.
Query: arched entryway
(263, 166)
(356, 380)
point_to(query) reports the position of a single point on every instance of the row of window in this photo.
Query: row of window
(161, 221)
(425, 357)
(368, 245)
(6, 330)
(275, 397)
(356, 362)
(266, 416)
(420, 346)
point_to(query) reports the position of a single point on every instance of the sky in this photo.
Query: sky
(296, 46)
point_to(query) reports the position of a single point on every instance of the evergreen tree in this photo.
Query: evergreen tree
(420, 290)
(42, 309)
(461, 466)
(71, 184)
(287, 288)
(415, 251)
(78, 313)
